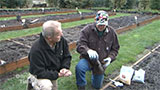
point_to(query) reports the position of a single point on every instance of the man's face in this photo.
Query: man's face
(57, 35)
(101, 27)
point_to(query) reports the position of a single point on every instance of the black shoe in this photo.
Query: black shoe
(81, 87)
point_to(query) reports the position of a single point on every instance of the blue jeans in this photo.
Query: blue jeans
(81, 68)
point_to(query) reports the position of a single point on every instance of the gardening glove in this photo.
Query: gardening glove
(93, 55)
(107, 62)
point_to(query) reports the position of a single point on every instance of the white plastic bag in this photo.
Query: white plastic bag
(126, 74)
(139, 76)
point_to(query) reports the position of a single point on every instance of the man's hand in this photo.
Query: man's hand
(68, 73)
(107, 62)
(93, 55)
(64, 73)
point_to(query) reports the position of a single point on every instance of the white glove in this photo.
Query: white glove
(93, 55)
(108, 61)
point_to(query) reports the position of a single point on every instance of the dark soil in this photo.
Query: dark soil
(27, 40)
(128, 20)
(150, 65)
(11, 51)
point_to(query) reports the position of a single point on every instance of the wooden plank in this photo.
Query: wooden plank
(2, 69)
(22, 62)
(10, 66)
(123, 29)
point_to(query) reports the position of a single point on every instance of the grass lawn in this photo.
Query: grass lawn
(132, 43)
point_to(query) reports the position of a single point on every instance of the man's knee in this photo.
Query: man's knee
(78, 67)
(82, 65)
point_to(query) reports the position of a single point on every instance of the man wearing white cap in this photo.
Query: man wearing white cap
(98, 46)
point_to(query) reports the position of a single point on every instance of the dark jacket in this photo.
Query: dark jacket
(106, 45)
(45, 63)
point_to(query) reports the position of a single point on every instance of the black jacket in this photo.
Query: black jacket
(45, 63)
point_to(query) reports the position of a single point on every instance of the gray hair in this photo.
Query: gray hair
(49, 27)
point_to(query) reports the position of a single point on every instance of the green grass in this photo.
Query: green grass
(17, 83)
(132, 43)
(85, 10)
(100, 8)
(30, 31)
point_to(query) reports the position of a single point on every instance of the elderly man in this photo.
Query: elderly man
(49, 58)
(98, 47)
